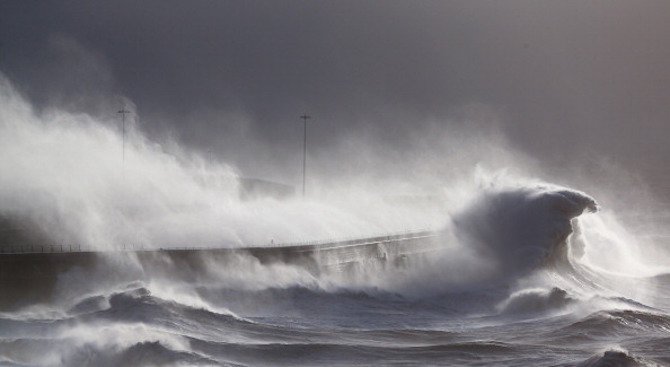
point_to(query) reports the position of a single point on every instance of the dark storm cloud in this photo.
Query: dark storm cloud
(569, 79)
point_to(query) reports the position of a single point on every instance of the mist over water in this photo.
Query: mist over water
(65, 177)
(523, 271)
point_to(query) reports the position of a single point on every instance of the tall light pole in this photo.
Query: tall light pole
(304, 118)
(123, 113)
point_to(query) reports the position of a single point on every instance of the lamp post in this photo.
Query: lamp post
(123, 113)
(304, 118)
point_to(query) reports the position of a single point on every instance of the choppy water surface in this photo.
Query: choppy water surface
(550, 286)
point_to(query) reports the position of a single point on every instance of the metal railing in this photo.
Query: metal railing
(37, 249)
(343, 241)
(336, 241)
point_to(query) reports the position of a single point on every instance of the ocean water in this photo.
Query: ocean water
(527, 276)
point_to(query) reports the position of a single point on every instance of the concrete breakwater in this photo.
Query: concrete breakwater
(30, 274)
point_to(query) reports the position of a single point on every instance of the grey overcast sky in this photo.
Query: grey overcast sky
(566, 80)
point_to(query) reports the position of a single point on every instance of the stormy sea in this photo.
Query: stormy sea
(111, 262)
